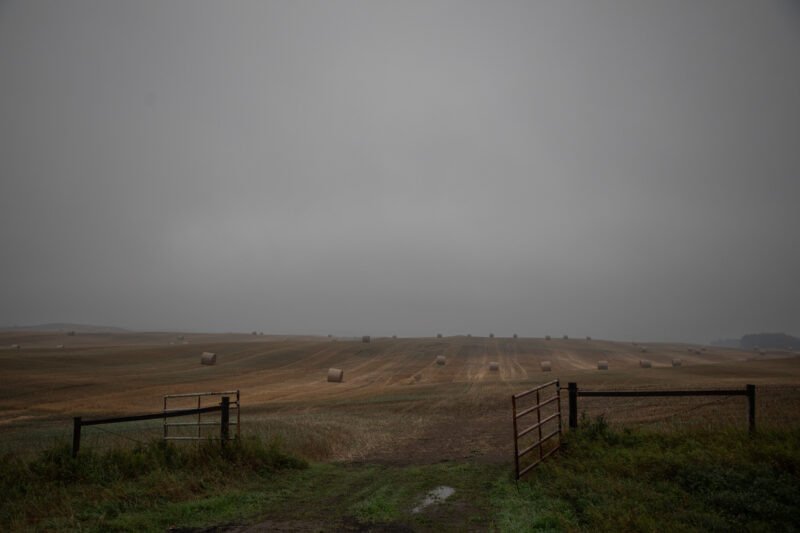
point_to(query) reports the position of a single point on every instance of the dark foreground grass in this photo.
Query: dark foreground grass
(602, 480)
(609, 480)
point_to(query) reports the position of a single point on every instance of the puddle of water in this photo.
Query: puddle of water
(437, 495)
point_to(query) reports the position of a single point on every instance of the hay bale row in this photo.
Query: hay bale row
(602, 365)
(546, 366)
(644, 364)
(208, 358)
(335, 375)
(494, 365)
(441, 360)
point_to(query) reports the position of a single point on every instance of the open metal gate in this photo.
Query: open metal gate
(547, 409)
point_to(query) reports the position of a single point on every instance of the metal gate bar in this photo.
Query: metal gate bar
(540, 422)
(234, 404)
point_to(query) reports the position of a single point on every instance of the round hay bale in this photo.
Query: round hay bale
(494, 365)
(469, 335)
(441, 360)
(644, 364)
(491, 335)
(180, 337)
(394, 336)
(762, 352)
(602, 365)
(566, 337)
(365, 338)
(546, 366)
(438, 335)
(335, 375)
(643, 349)
(208, 358)
(71, 333)
(417, 378)
(60, 346)
(676, 362)
(588, 338)
(514, 335)
(703, 349)
(547, 337)
(15, 346)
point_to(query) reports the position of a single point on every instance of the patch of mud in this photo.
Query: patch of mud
(300, 526)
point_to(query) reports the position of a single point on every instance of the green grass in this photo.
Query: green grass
(603, 479)
(626, 480)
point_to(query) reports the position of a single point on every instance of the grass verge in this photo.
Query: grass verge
(603, 479)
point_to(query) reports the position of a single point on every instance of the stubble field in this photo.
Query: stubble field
(395, 405)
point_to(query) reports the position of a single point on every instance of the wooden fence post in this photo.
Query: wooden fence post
(572, 389)
(76, 435)
(751, 408)
(224, 419)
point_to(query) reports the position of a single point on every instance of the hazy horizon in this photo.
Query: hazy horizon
(627, 170)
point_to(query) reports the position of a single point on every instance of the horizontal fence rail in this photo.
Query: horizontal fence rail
(78, 421)
(749, 391)
(540, 422)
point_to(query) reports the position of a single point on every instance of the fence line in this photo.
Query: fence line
(223, 407)
(749, 391)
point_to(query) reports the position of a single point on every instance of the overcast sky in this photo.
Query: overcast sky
(620, 169)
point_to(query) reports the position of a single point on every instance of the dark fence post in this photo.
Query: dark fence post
(751, 408)
(516, 444)
(224, 419)
(76, 435)
(572, 388)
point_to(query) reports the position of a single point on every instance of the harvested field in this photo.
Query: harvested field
(396, 405)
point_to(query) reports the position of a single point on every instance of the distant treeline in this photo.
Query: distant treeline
(780, 341)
